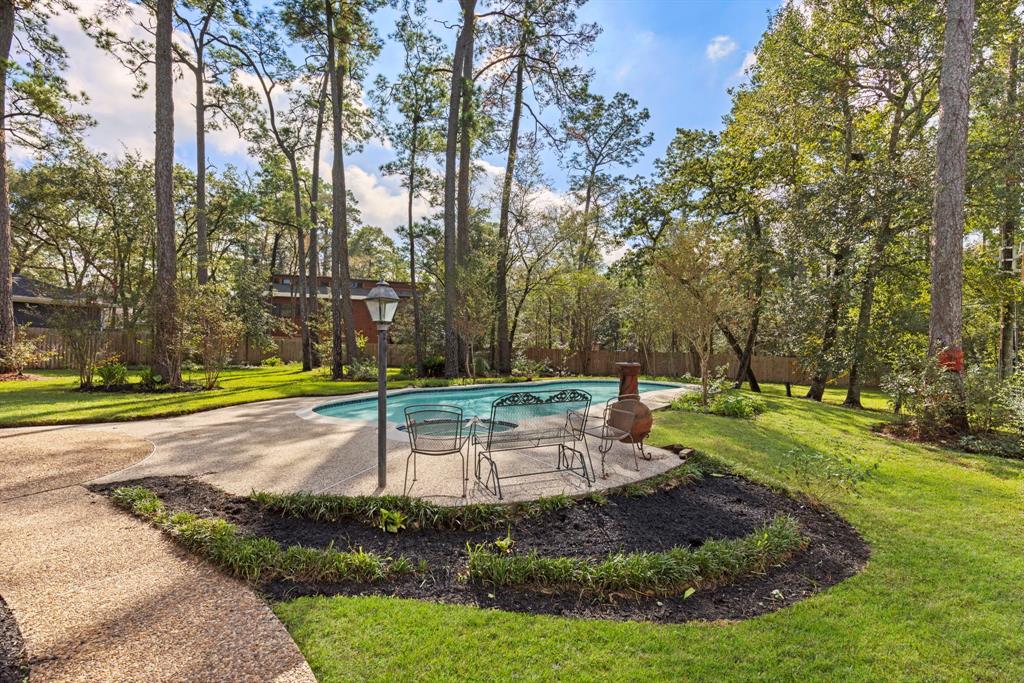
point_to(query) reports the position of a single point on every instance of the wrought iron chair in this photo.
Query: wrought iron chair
(617, 423)
(435, 430)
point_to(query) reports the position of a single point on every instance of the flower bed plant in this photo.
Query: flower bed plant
(257, 559)
(678, 571)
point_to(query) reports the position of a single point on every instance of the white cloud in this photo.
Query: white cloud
(720, 47)
(749, 60)
(124, 122)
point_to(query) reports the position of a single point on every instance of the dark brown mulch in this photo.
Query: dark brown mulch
(719, 507)
(13, 667)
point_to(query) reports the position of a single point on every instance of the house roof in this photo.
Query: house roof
(31, 291)
(357, 288)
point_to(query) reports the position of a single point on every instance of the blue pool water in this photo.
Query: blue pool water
(472, 400)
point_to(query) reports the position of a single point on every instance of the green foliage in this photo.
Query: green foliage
(210, 328)
(666, 573)
(433, 366)
(417, 513)
(112, 372)
(996, 443)
(987, 397)
(363, 370)
(730, 403)
(271, 362)
(391, 521)
(25, 352)
(150, 379)
(526, 367)
(258, 559)
(832, 471)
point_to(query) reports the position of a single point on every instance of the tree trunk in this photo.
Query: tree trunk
(165, 351)
(504, 360)
(738, 351)
(300, 260)
(451, 345)
(830, 334)
(7, 327)
(1008, 229)
(313, 307)
(464, 183)
(417, 324)
(867, 300)
(341, 295)
(945, 321)
(202, 226)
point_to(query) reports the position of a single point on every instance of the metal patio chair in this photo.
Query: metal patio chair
(435, 430)
(617, 423)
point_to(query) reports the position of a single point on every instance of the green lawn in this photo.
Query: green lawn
(942, 597)
(53, 401)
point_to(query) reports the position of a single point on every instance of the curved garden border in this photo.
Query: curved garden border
(13, 664)
(655, 561)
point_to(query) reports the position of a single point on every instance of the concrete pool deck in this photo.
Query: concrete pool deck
(284, 446)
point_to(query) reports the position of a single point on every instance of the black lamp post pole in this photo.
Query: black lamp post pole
(382, 405)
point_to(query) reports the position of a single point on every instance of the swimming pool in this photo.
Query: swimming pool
(472, 400)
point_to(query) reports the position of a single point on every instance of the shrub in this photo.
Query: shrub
(1001, 445)
(988, 398)
(26, 351)
(210, 329)
(732, 403)
(433, 366)
(363, 370)
(674, 572)
(84, 339)
(149, 379)
(258, 558)
(833, 471)
(525, 367)
(271, 362)
(112, 372)
(932, 399)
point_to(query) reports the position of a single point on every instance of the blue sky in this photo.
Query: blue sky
(677, 58)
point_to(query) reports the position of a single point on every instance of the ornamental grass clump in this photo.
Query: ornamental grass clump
(258, 559)
(673, 572)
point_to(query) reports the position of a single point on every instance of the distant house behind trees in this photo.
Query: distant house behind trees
(37, 303)
(284, 299)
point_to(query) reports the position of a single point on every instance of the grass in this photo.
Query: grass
(257, 559)
(940, 599)
(422, 514)
(678, 571)
(55, 401)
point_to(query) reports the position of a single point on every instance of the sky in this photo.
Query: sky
(678, 58)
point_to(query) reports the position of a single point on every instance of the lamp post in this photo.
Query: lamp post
(382, 302)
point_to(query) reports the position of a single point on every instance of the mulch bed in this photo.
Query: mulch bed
(718, 507)
(13, 667)
(15, 377)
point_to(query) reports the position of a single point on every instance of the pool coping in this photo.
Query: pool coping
(654, 400)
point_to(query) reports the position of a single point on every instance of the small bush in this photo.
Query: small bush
(112, 372)
(433, 366)
(25, 352)
(149, 379)
(988, 405)
(363, 370)
(271, 362)
(809, 466)
(525, 367)
(673, 572)
(258, 559)
(998, 444)
(730, 403)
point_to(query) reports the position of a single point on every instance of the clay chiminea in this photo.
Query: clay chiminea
(629, 385)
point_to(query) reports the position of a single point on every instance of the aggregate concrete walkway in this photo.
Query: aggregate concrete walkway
(100, 596)
(283, 446)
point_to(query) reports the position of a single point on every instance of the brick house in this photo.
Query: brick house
(285, 292)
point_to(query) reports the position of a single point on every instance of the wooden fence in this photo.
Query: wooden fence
(135, 349)
(766, 368)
